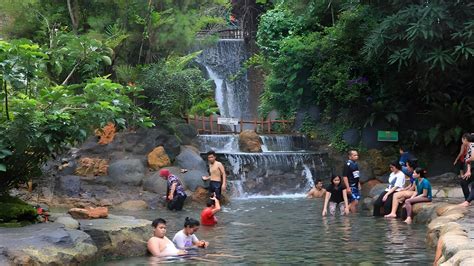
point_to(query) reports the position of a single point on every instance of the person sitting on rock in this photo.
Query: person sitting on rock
(208, 217)
(405, 156)
(335, 194)
(159, 245)
(186, 238)
(317, 191)
(396, 182)
(406, 192)
(423, 192)
(467, 178)
(175, 195)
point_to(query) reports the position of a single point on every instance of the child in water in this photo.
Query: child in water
(335, 194)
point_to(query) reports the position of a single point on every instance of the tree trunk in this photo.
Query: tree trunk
(4, 85)
(73, 16)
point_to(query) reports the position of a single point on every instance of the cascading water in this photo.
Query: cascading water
(224, 64)
(277, 171)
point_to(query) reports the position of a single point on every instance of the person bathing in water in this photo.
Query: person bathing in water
(159, 245)
(208, 217)
(317, 191)
(186, 238)
(336, 193)
(217, 176)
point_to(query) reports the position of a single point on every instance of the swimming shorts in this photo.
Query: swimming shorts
(355, 195)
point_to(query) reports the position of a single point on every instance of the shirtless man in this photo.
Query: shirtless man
(159, 245)
(217, 176)
(317, 191)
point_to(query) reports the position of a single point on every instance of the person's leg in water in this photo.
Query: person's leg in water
(387, 206)
(332, 208)
(354, 199)
(378, 203)
(398, 198)
(342, 208)
(177, 203)
(409, 206)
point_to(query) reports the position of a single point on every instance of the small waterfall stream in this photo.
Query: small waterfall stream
(285, 167)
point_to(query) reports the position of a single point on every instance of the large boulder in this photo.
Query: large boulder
(45, 244)
(127, 171)
(158, 158)
(249, 141)
(68, 222)
(193, 179)
(116, 236)
(92, 167)
(377, 190)
(89, 213)
(69, 185)
(155, 183)
(190, 159)
(187, 133)
(367, 187)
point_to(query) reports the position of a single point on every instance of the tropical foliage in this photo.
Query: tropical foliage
(406, 64)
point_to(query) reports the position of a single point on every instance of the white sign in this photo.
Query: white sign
(227, 121)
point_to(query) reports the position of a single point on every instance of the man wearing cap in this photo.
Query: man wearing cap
(175, 194)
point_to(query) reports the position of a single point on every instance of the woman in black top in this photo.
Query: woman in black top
(335, 194)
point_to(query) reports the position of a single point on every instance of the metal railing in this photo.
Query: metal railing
(236, 33)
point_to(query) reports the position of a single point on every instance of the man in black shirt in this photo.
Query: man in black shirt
(351, 179)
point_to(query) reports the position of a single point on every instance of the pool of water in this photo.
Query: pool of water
(292, 231)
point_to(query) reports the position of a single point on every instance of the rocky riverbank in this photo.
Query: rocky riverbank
(67, 241)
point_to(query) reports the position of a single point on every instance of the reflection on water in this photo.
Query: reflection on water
(291, 231)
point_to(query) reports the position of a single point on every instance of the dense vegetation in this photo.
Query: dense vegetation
(70, 67)
(404, 64)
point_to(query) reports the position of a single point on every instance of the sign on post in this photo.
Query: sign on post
(227, 121)
(387, 136)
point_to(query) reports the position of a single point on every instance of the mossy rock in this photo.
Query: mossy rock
(14, 209)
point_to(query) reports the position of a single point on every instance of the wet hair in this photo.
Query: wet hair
(158, 221)
(317, 181)
(210, 202)
(213, 153)
(413, 162)
(349, 153)
(421, 171)
(190, 222)
(334, 177)
(396, 164)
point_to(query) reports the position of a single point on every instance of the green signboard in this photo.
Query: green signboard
(387, 136)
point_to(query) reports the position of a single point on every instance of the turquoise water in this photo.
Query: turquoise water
(292, 231)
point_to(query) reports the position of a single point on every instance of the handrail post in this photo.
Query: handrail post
(211, 122)
(241, 125)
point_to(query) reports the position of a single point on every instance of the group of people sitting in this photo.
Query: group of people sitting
(343, 193)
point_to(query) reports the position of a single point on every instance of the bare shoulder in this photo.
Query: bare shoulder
(219, 164)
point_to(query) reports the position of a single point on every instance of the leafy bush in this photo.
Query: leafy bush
(15, 210)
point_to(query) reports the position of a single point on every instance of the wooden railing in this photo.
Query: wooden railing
(209, 125)
(223, 34)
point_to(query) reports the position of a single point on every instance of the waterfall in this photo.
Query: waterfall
(224, 65)
(279, 172)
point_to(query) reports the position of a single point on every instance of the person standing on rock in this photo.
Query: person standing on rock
(467, 178)
(159, 245)
(175, 195)
(217, 176)
(351, 179)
